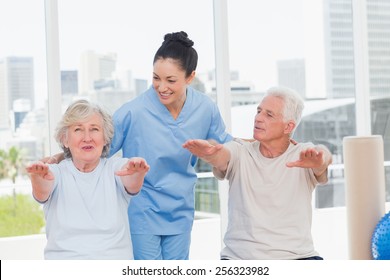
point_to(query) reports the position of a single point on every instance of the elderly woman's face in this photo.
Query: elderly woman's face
(86, 140)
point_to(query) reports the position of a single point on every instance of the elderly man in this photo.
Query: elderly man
(271, 183)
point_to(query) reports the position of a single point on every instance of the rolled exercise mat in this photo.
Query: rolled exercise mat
(364, 191)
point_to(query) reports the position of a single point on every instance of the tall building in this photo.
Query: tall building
(20, 109)
(141, 85)
(291, 73)
(111, 99)
(16, 82)
(32, 136)
(69, 82)
(340, 47)
(94, 68)
(241, 92)
(124, 80)
(378, 21)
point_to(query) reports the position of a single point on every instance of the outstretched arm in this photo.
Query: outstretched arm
(133, 173)
(317, 158)
(210, 151)
(42, 180)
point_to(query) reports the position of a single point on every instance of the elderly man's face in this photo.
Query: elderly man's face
(269, 124)
(85, 140)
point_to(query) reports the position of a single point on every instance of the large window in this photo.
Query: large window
(309, 46)
(107, 47)
(23, 111)
(23, 92)
(107, 50)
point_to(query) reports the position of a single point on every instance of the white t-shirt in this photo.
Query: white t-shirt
(86, 214)
(270, 208)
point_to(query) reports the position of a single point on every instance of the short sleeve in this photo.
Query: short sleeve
(233, 147)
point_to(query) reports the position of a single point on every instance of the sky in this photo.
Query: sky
(261, 32)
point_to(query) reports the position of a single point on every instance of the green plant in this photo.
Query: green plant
(12, 163)
(20, 215)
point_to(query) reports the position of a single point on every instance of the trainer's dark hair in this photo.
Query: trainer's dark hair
(178, 46)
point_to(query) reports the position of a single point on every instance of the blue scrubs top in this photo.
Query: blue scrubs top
(145, 128)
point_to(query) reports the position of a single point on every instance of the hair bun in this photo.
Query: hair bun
(180, 37)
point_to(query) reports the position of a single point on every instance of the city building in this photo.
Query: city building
(141, 85)
(291, 73)
(16, 82)
(69, 82)
(94, 67)
(20, 109)
(339, 47)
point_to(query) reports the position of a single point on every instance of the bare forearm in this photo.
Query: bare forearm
(219, 160)
(133, 183)
(321, 172)
(133, 173)
(209, 151)
(41, 188)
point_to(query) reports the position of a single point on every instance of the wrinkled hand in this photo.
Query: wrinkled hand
(309, 158)
(40, 169)
(133, 165)
(202, 148)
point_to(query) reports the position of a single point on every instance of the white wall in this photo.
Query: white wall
(205, 243)
(329, 234)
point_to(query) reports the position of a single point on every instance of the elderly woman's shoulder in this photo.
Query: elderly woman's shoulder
(115, 161)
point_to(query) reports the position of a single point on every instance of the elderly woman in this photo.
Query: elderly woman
(86, 196)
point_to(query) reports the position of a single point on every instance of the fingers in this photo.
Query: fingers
(202, 148)
(292, 163)
(311, 153)
(132, 166)
(37, 167)
(309, 158)
(137, 164)
(40, 169)
(192, 144)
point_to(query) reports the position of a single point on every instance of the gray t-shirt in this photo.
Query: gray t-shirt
(270, 205)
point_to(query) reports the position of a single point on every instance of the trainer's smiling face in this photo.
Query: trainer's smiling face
(170, 82)
(85, 140)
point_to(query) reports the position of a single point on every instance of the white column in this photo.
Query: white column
(222, 68)
(362, 82)
(53, 70)
(364, 191)
(223, 90)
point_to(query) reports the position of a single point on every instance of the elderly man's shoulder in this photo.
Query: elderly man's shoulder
(240, 143)
(243, 141)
